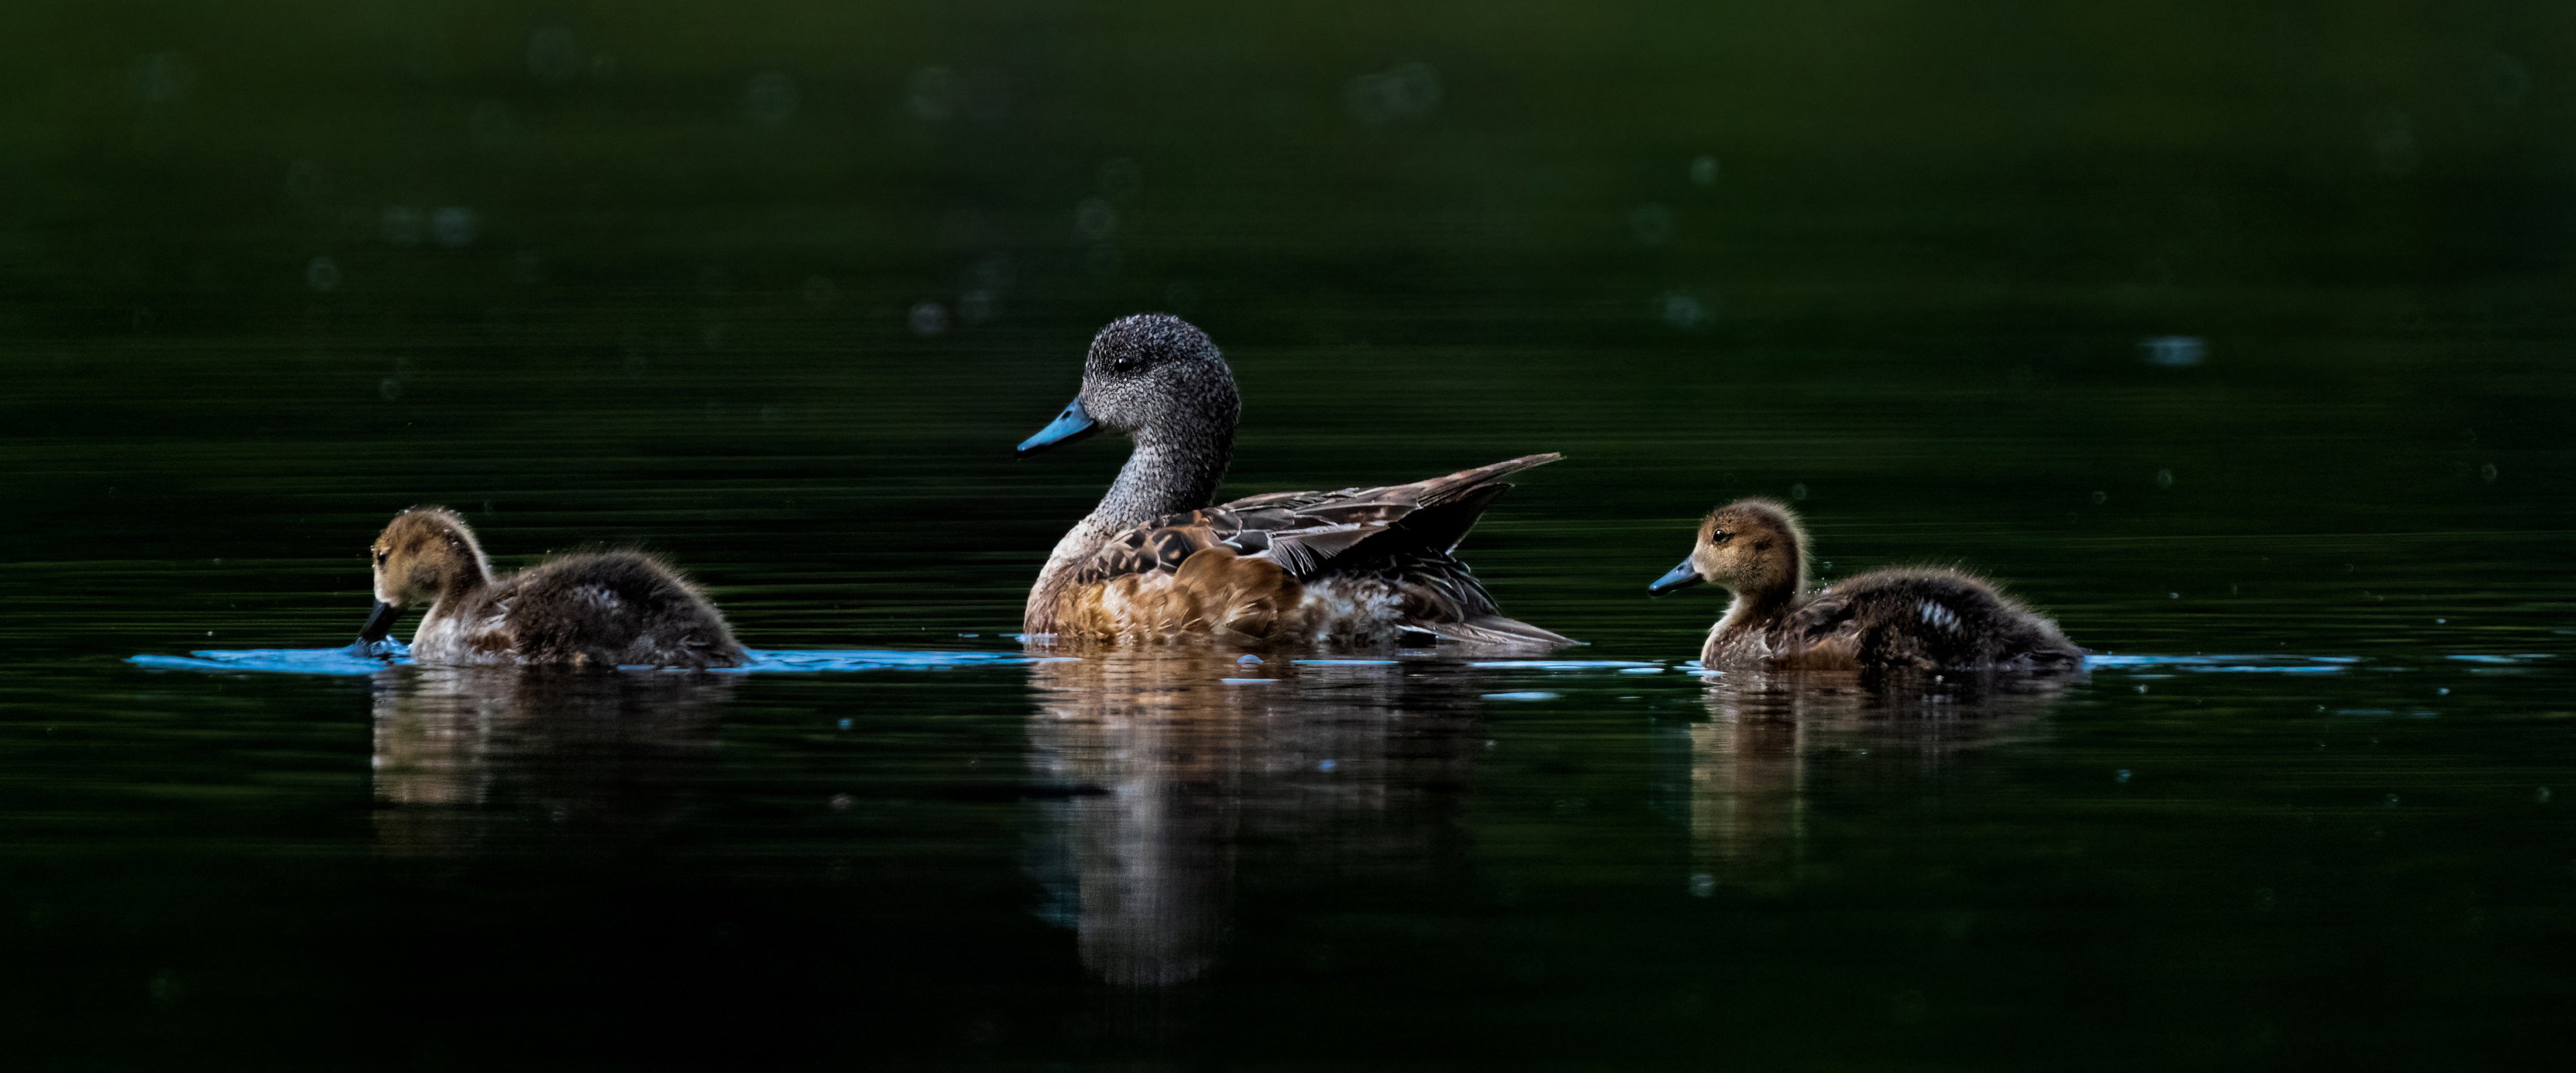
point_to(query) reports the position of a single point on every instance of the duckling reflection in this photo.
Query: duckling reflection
(466, 756)
(1755, 765)
(1166, 773)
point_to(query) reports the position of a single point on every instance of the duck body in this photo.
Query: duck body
(1916, 618)
(1921, 619)
(1357, 566)
(597, 610)
(1354, 566)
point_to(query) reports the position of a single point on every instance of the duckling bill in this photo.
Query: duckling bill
(1909, 618)
(1155, 559)
(604, 609)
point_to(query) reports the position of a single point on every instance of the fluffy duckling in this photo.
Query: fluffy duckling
(604, 609)
(1156, 559)
(1911, 618)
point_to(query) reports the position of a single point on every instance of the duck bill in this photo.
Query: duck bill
(1073, 424)
(380, 623)
(1679, 578)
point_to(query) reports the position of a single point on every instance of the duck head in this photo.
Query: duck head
(1754, 547)
(1153, 377)
(423, 554)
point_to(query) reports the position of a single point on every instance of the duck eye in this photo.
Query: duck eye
(1126, 364)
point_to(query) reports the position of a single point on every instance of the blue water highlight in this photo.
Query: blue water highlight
(352, 660)
(2226, 664)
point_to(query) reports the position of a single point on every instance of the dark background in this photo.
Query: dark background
(2209, 327)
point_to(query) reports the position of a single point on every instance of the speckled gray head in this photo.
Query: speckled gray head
(1152, 376)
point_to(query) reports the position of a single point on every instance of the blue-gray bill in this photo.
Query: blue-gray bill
(1680, 577)
(379, 623)
(1073, 424)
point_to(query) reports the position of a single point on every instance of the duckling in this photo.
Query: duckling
(1154, 559)
(603, 609)
(1910, 618)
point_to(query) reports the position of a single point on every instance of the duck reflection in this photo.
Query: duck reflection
(1167, 764)
(1754, 763)
(468, 755)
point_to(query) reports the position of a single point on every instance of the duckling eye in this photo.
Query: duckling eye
(1720, 537)
(1126, 364)
(380, 558)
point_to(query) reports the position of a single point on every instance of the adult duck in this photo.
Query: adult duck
(605, 609)
(1917, 618)
(1357, 566)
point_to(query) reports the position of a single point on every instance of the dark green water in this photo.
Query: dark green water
(2213, 332)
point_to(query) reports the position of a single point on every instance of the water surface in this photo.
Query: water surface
(2239, 343)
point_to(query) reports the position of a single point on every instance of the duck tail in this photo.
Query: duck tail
(1438, 490)
(1495, 630)
(1449, 506)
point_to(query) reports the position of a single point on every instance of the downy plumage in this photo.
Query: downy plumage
(1915, 618)
(604, 609)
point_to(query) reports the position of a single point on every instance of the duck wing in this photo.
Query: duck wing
(1923, 617)
(1411, 527)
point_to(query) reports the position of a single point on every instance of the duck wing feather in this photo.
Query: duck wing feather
(1312, 534)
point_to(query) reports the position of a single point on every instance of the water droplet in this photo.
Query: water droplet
(452, 226)
(2487, 473)
(1702, 885)
(2100, 498)
(554, 54)
(1651, 223)
(162, 79)
(1120, 178)
(770, 99)
(2507, 79)
(931, 94)
(927, 319)
(492, 126)
(2121, 775)
(2174, 351)
(2164, 478)
(1681, 311)
(842, 802)
(1324, 765)
(1248, 659)
(1103, 261)
(845, 724)
(1406, 91)
(2392, 144)
(1797, 491)
(322, 274)
(1703, 171)
(389, 389)
(304, 180)
(402, 225)
(2392, 800)
(1095, 219)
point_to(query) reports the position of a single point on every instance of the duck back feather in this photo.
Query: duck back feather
(1356, 564)
(1923, 618)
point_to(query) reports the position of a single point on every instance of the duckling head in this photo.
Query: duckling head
(1754, 547)
(1154, 377)
(423, 553)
